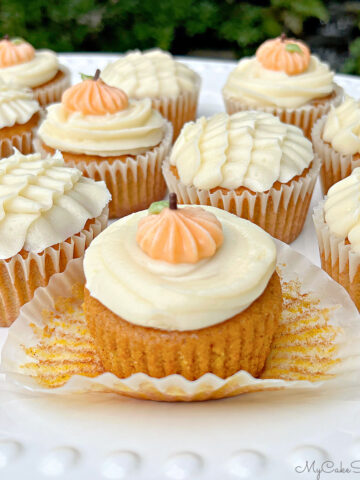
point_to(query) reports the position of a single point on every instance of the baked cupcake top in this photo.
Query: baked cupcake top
(179, 269)
(94, 118)
(247, 149)
(20, 63)
(43, 202)
(342, 209)
(342, 127)
(17, 105)
(153, 73)
(281, 74)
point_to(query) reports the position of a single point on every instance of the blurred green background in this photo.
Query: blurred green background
(213, 28)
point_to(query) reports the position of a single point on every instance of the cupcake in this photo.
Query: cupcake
(250, 164)
(172, 86)
(185, 291)
(19, 117)
(49, 215)
(108, 137)
(39, 70)
(336, 140)
(337, 224)
(283, 79)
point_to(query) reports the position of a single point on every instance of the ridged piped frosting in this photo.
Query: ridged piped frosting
(15, 52)
(17, 105)
(285, 55)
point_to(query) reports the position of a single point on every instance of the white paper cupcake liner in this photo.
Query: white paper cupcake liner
(134, 183)
(21, 275)
(334, 165)
(52, 92)
(337, 258)
(317, 343)
(281, 212)
(23, 142)
(302, 117)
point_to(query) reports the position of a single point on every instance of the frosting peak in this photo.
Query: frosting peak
(14, 52)
(285, 55)
(17, 105)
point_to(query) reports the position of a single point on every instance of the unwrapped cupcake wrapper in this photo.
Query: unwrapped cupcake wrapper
(338, 259)
(52, 92)
(302, 117)
(23, 142)
(134, 183)
(21, 276)
(334, 165)
(179, 110)
(281, 212)
(49, 348)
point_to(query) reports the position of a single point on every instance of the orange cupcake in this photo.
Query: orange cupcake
(39, 70)
(284, 79)
(49, 215)
(249, 164)
(108, 137)
(185, 291)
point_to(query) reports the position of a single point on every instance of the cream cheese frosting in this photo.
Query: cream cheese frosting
(157, 294)
(43, 202)
(250, 149)
(153, 73)
(17, 105)
(131, 131)
(342, 127)
(42, 68)
(258, 86)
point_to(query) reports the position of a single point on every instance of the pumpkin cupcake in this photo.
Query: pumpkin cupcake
(39, 70)
(19, 117)
(172, 86)
(284, 79)
(111, 138)
(336, 140)
(250, 164)
(49, 215)
(185, 291)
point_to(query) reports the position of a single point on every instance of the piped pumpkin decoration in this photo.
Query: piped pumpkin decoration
(284, 54)
(92, 96)
(15, 51)
(179, 235)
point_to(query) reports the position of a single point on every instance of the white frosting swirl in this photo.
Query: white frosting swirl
(250, 149)
(150, 74)
(43, 203)
(158, 294)
(130, 131)
(42, 68)
(17, 105)
(258, 86)
(342, 127)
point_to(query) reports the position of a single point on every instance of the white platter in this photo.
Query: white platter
(110, 437)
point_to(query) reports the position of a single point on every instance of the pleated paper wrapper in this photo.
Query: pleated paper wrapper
(334, 165)
(317, 345)
(302, 117)
(52, 91)
(281, 212)
(22, 141)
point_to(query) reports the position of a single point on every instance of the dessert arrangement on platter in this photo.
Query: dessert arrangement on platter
(198, 296)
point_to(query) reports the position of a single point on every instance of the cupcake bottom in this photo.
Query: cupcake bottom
(302, 117)
(51, 91)
(239, 343)
(22, 274)
(19, 136)
(133, 181)
(281, 211)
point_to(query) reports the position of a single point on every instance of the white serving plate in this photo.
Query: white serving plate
(111, 437)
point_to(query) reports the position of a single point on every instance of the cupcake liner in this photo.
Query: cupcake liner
(23, 142)
(134, 183)
(52, 91)
(334, 165)
(179, 110)
(21, 275)
(337, 257)
(281, 212)
(302, 117)
(49, 348)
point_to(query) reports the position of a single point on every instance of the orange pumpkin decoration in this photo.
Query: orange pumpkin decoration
(94, 97)
(184, 235)
(284, 54)
(14, 52)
